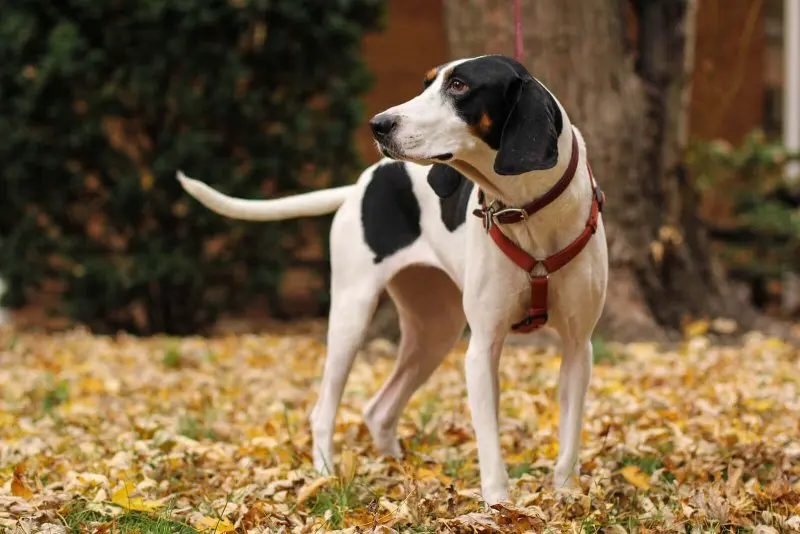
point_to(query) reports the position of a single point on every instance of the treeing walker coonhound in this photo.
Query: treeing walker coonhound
(536, 253)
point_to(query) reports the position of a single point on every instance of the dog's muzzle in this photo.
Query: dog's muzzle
(382, 126)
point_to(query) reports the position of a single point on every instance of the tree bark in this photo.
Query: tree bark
(621, 70)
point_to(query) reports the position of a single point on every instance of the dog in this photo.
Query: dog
(483, 134)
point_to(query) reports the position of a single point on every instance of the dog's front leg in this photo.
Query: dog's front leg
(573, 382)
(483, 390)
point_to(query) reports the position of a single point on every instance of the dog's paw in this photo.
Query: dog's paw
(386, 443)
(565, 477)
(494, 495)
(384, 440)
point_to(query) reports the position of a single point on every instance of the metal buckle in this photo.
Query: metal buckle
(522, 213)
(488, 215)
(600, 196)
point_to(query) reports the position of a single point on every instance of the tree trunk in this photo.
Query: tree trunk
(621, 70)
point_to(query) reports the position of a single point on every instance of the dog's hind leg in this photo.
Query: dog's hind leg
(431, 321)
(349, 317)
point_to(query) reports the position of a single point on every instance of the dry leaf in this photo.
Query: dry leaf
(124, 498)
(18, 486)
(696, 328)
(311, 488)
(473, 522)
(635, 476)
(228, 436)
(347, 465)
(212, 525)
(146, 179)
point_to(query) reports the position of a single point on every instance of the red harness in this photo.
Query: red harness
(496, 213)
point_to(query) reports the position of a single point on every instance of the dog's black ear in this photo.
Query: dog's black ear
(529, 141)
(444, 180)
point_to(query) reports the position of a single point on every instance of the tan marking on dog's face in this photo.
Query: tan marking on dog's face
(485, 124)
(481, 130)
(431, 74)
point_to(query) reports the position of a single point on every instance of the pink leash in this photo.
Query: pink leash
(517, 31)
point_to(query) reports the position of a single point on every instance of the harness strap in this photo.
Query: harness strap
(537, 311)
(498, 213)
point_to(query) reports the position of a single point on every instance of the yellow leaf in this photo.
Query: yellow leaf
(761, 405)
(696, 328)
(213, 524)
(517, 458)
(309, 489)
(635, 476)
(423, 474)
(146, 180)
(347, 465)
(550, 450)
(122, 497)
(18, 487)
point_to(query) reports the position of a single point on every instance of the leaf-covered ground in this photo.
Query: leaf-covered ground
(202, 435)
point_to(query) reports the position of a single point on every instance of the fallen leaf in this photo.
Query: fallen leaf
(311, 488)
(212, 525)
(122, 497)
(635, 476)
(18, 486)
(474, 522)
(347, 465)
(696, 328)
(146, 180)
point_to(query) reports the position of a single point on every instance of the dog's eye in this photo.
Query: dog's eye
(457, 87)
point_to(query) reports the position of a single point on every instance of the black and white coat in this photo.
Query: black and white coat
(405, 226)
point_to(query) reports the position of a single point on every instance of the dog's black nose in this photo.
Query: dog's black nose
(382, 125)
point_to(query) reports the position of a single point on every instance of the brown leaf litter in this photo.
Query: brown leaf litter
(212, 435)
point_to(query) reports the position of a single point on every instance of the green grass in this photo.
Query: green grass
(603, 354)
(338, 499)
(55, 395)
(171, 358)
(80, 519)
(12, 342)
(453, 466)
(426, 412)
(193, 428)
(648, 464)
(517, 470)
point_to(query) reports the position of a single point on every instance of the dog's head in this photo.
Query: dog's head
(470, 106)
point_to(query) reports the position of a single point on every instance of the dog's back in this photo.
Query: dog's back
(395, 214)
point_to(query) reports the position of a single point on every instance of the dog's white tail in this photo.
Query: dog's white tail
(304, 205)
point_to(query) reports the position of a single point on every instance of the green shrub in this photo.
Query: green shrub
(100, 104)
(760, 241)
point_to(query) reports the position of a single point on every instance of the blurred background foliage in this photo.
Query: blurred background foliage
(756, 226)
(100, 104)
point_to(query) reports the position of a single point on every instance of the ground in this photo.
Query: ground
(121, 434)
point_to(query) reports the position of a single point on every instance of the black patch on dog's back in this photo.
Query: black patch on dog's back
(453, 190)
(390, 213)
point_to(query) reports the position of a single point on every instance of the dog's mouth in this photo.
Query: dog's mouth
(394, 153)
(389, 152)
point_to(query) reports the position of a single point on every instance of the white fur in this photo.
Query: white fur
(306, 205)
(488, 290)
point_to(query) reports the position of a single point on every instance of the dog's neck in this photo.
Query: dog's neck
(515, 191)
(552, 228)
